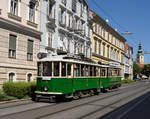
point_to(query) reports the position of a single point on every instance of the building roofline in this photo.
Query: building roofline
(107, 26)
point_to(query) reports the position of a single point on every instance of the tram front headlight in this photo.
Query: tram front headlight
(46, 88)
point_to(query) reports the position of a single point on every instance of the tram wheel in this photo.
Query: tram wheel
(75, 96)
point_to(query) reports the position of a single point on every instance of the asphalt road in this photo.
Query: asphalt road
(128, 102)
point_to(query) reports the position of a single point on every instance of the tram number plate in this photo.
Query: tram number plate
(46, 78)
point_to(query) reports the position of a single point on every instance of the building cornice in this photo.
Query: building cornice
(7, 24)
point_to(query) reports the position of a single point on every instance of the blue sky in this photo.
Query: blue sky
(132, 16)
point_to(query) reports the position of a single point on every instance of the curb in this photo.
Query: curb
(17, 100)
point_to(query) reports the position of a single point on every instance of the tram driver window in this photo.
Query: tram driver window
(47, 69)
(63, 69)
(56, 68)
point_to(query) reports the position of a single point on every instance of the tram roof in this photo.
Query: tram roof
(61, 58)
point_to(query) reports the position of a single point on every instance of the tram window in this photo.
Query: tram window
(82, 70)
(47, 69)
(95, 71)
(39, 69)
(91, 70)
(86, 71)
(69, 70)
(63, 73)
(56, 68)
(77, 70)
(102, 72)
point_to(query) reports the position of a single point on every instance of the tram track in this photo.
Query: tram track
(111, 104)
(99, 109)
(15, 105)
(99, 99)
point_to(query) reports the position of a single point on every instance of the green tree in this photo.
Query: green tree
(136, 70)
(146, 70)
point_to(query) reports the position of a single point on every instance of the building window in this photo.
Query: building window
(29, 77)
(12, 46)
(115, 41)
(50, 38)
(118, 56)
(122, 46)
(61, 42)
(99, 48)
(70, 21)
(108, 51)
(51, 10)
(74, 4)
(104, 49)
(82, 9)
(118, 43)
(95, 28)
(103, 33)
(30, 50)
(95, 45)
(111, 53)
(68, 45)
(62, 17)
(31, 11)
(100, 30)
(11, 77)
(14, 7)
(108, 36)
(112, 39)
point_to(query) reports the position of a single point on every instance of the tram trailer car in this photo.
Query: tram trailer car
(65, 79)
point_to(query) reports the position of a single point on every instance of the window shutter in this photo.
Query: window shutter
(30, 46)
(12, 42)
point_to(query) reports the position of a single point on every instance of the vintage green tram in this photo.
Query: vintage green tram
(71, 78)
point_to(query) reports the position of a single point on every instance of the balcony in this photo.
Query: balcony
(51, 22)
(70, 28)
(62, 24)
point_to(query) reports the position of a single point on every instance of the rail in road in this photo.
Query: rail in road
(103, 101)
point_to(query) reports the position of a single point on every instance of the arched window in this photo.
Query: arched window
(29, 77)
(11, 77)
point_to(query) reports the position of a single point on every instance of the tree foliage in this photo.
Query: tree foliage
(136, 70)
(146, 70)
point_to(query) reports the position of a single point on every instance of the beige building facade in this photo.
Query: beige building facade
(19, 39)
(107, 43)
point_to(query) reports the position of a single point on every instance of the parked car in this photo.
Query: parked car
(137, 79)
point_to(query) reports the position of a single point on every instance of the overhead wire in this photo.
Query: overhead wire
(108, 15)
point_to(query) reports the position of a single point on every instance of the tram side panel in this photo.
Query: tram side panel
(86, 83)
(55, 85)
(110, 82)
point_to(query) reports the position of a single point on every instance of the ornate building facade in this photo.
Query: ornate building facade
(19, 39)
(107, 43)
(65, 26)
